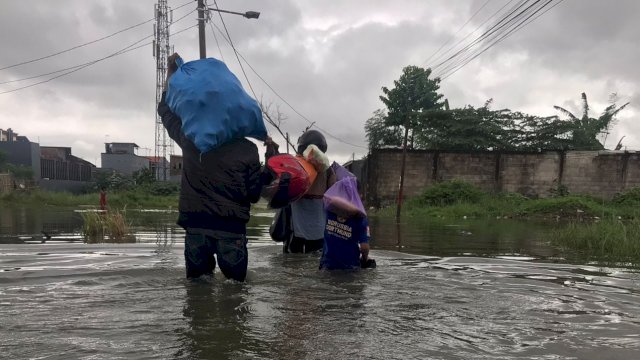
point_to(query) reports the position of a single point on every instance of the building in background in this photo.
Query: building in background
(57, 163)
(8, 135)
(175, 169)
(20, 151)
(62, 171)
(157, 164)
(122, 158)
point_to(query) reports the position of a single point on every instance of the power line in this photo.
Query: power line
(234, 49)
(124, 50)
(217, 43)
(522, 24)
(505, 36)
(83, 65)
(269, 120)
(312, 123)
(489, 36)
(473, 32)
(496, 27)
(215, 37)
(85, 44)
(504, 28)
(457, 32)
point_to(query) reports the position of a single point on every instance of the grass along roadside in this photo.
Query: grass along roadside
(457, 199)
(137, 198)
(590, 229)
(609, 241)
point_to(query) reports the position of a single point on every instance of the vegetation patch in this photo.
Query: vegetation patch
(629, 198)
(568, 206)
(459, 199)
(609, 241)
(449, 193)
(140, 197)
(110, 226)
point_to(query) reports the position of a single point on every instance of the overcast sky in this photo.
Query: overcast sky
(328, 59)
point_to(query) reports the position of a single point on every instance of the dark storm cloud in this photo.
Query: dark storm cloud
(328, 59)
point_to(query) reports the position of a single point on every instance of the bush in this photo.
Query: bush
(106, 227)
(450, 192)
(162, 188)
(113, 182)
(564, 206)
(20, 172)
(631, 197)
(609, 240)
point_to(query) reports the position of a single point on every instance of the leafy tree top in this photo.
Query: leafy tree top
(413, 93)
(585, 130)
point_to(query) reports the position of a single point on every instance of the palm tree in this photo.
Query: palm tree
(586, 130)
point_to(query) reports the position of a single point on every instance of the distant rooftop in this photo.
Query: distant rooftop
(122, 143)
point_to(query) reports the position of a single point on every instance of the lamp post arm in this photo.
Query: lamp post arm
(248, 14)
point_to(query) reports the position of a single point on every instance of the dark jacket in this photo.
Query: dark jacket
(217, 187)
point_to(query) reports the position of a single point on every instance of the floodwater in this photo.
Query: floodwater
(446, 290)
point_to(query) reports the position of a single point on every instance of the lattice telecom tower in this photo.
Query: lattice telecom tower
(161, 50)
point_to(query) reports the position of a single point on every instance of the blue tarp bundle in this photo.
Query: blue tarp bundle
(212, 104)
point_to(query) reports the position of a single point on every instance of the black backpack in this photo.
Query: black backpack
(281, 227)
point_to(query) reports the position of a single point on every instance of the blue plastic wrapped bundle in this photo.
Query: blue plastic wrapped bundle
(212, 104)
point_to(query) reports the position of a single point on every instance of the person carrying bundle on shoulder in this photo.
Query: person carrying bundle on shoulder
(220, 178)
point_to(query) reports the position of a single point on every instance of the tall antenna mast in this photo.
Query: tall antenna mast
(161, 51)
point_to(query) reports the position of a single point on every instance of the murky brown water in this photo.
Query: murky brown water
(446, 290)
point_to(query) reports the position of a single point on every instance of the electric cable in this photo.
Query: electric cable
(215, 37)
(498, 34)
(81, 65)
(496, 27)
(311, 123)
(457, 32)
(126, 49)
(472, 32)
(85, 44)
(505, 36)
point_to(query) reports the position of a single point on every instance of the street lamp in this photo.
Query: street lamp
(248, 14)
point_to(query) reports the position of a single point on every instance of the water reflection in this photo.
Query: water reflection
(19, 223)
(131, 301)
(441, 237)
(216, 314)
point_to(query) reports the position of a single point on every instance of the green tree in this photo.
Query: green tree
(535, 133)
(144, 176)
(20, 171)
(413, 96)
(380, 135)
(469, 128)
(585, 130)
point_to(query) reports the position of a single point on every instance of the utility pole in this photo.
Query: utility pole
(201, 20)
(287, 143)
(402, 168)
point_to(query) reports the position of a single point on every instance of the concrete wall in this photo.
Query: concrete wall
(70, 186)
(6, 183)
(602, 174)
(124, 163)
(35, 160)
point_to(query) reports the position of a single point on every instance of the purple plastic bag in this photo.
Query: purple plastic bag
(341, 171)
(343, 199)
